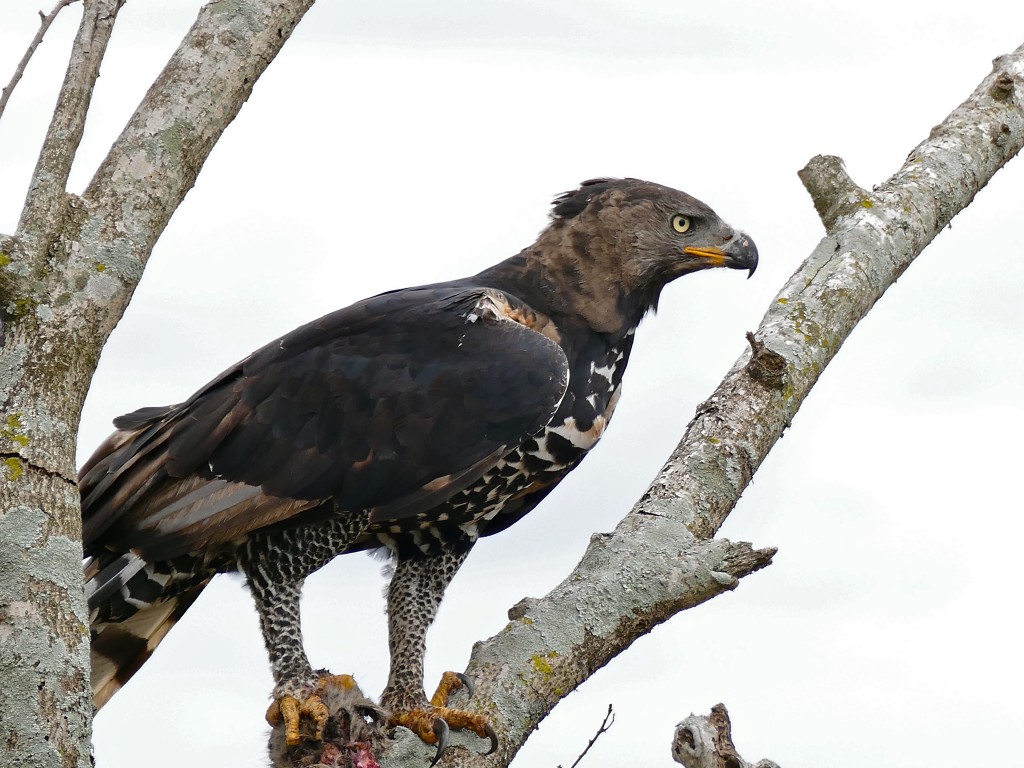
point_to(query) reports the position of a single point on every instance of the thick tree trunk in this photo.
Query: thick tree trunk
(66, 276)
(45, 369)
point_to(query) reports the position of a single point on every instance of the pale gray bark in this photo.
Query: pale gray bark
(66, 276)
(705, 741)
(662, 557)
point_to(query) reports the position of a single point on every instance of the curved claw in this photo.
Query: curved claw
(467, 683)
(493, 737)
(441, 731)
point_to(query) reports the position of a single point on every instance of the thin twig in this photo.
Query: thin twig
(47, 20)
(605, 725)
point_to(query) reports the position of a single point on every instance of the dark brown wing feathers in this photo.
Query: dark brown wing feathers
(394, 404)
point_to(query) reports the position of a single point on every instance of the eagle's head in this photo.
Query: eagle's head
(626, 239)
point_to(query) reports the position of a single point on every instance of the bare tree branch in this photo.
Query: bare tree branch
(661, 558)
(159, 155)
(46, 21)
(608, 722)
(706, 742)
(94, 248)
(45, 201)
(871, 239)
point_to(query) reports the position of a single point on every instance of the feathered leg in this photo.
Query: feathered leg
(414, 596)
(276, 565)
(278, 608)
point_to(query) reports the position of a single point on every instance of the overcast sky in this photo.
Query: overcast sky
(396, 143)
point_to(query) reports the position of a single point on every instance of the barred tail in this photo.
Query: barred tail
(120, 648)
(132, 606)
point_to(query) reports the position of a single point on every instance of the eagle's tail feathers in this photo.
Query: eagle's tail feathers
(120, 648)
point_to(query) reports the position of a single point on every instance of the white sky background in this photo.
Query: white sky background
(399, 143)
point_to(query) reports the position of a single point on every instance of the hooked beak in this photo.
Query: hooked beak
(740, 253)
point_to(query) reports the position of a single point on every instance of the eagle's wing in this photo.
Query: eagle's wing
(392, 404)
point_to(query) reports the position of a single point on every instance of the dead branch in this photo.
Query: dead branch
(47, 196)
(46, 21)
(609, 720)
(705, 741)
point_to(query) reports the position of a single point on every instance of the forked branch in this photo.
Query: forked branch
(45, 202)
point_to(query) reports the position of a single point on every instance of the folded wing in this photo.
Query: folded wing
(392, 404)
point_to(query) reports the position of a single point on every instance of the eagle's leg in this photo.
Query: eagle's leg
(294, 697)
(414, 596)
(276, 566)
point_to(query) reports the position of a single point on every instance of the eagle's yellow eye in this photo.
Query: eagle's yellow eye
(680, 223)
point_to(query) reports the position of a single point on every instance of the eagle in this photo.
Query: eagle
(413, 422)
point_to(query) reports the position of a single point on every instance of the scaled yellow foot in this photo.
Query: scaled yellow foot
(290, 710)
(431, 723)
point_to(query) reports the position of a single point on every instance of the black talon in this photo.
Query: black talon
(466, 682)
(494, 739)
(441, 731)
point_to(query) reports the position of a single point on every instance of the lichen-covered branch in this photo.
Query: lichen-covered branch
(45, 199)
(158, 156)
(662, 558)
(629, 581)
(705, 741)
(871, 239)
